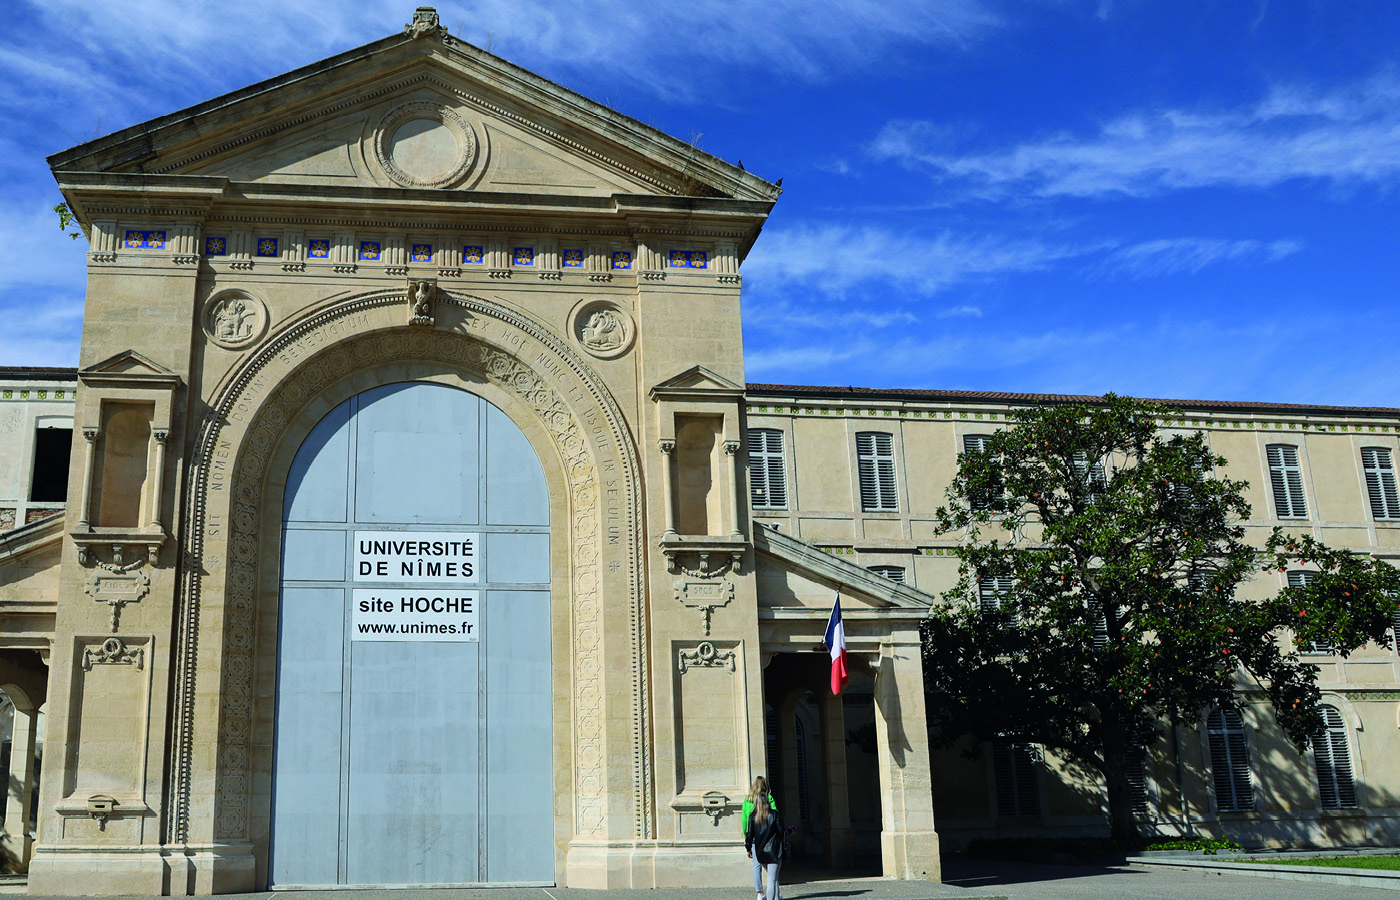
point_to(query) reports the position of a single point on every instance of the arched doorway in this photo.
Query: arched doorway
(414, 705)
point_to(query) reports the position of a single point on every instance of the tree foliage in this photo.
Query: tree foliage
(1123, 561)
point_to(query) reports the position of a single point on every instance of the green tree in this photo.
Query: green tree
(1101, 565)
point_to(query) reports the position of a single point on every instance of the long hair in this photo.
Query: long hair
(758, 796)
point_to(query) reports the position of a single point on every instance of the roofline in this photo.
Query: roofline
(928, 396)
(38, 373)
(731, 172)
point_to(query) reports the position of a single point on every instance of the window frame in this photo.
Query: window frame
(1383, 497)
(884, 572)
(1279, 475)
(883, 473)
(768, 457)
(1303, 578)
(1021, 761)
(1344, 793)
(976, 502)
(1235, 767)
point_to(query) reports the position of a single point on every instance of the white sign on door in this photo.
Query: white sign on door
(406, 614)
(417, 557)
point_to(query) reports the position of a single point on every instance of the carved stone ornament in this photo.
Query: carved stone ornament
(715, 804)
(706, 656)
(706, 596)
(113, 652)
(424, 145)
(425, 24)
(234, 319)
(118, 585)
(421, 292)
(603, 329)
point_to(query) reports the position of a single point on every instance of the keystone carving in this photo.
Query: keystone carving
(421, 293)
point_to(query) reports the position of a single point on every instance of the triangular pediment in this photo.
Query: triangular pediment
(794, 574)
(697, 380)
(128, 362)
(129, 369)
(429, 112)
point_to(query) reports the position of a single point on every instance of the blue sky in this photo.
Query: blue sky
(1188, 200)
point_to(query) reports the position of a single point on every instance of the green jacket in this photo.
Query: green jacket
(748, 811)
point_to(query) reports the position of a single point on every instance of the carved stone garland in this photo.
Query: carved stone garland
(253, 457)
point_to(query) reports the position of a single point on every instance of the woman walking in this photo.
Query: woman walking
(763, 837)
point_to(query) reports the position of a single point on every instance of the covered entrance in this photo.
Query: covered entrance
(414, 705)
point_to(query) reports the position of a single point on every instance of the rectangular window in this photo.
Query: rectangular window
(893, 573)
(977, 443)
(767, 470)
(1092, 473)
(875, 459)
(1380, 482)
(1332, 757)
(1287, 478)
(1015, 775)
(1297, 579)
(51, 449)
(1229, 761)
(992, 589)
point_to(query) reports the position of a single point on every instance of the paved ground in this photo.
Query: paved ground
(963, 880)
(1026, 882)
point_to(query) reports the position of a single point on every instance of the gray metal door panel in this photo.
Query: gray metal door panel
(519, 843)
(413, 791)
(515, 494)
(405, 434)
(313, 555)
(316, 486)
(414, 762)
(307, 754)
(516, 558)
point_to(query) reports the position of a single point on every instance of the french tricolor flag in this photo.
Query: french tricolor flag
(836, 643)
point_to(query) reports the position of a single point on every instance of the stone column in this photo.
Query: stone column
(667, 447)
(85, 499)
(160, 435)
(839, 852)
(17, 841)
(736, 498)
(908, 841)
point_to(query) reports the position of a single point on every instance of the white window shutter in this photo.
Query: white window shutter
(767, 470)
(875, 463)
(976, 443)
(1336, 788)
(1379, 469)
(1229, 761)
(1286, 477)
(893, 573)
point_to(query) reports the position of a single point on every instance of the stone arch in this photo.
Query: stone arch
(262, 408)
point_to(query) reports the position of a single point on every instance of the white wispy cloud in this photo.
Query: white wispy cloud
(1345, 136)
(655, 46)
(1170, 256)
(832, 260)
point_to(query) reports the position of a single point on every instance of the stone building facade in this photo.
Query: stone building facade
(414, 535)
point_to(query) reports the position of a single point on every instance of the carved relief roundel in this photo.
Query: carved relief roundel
(602, 328)
(424, 145)
(234, 319)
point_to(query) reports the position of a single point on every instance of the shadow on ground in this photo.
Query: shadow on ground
(985, 873)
